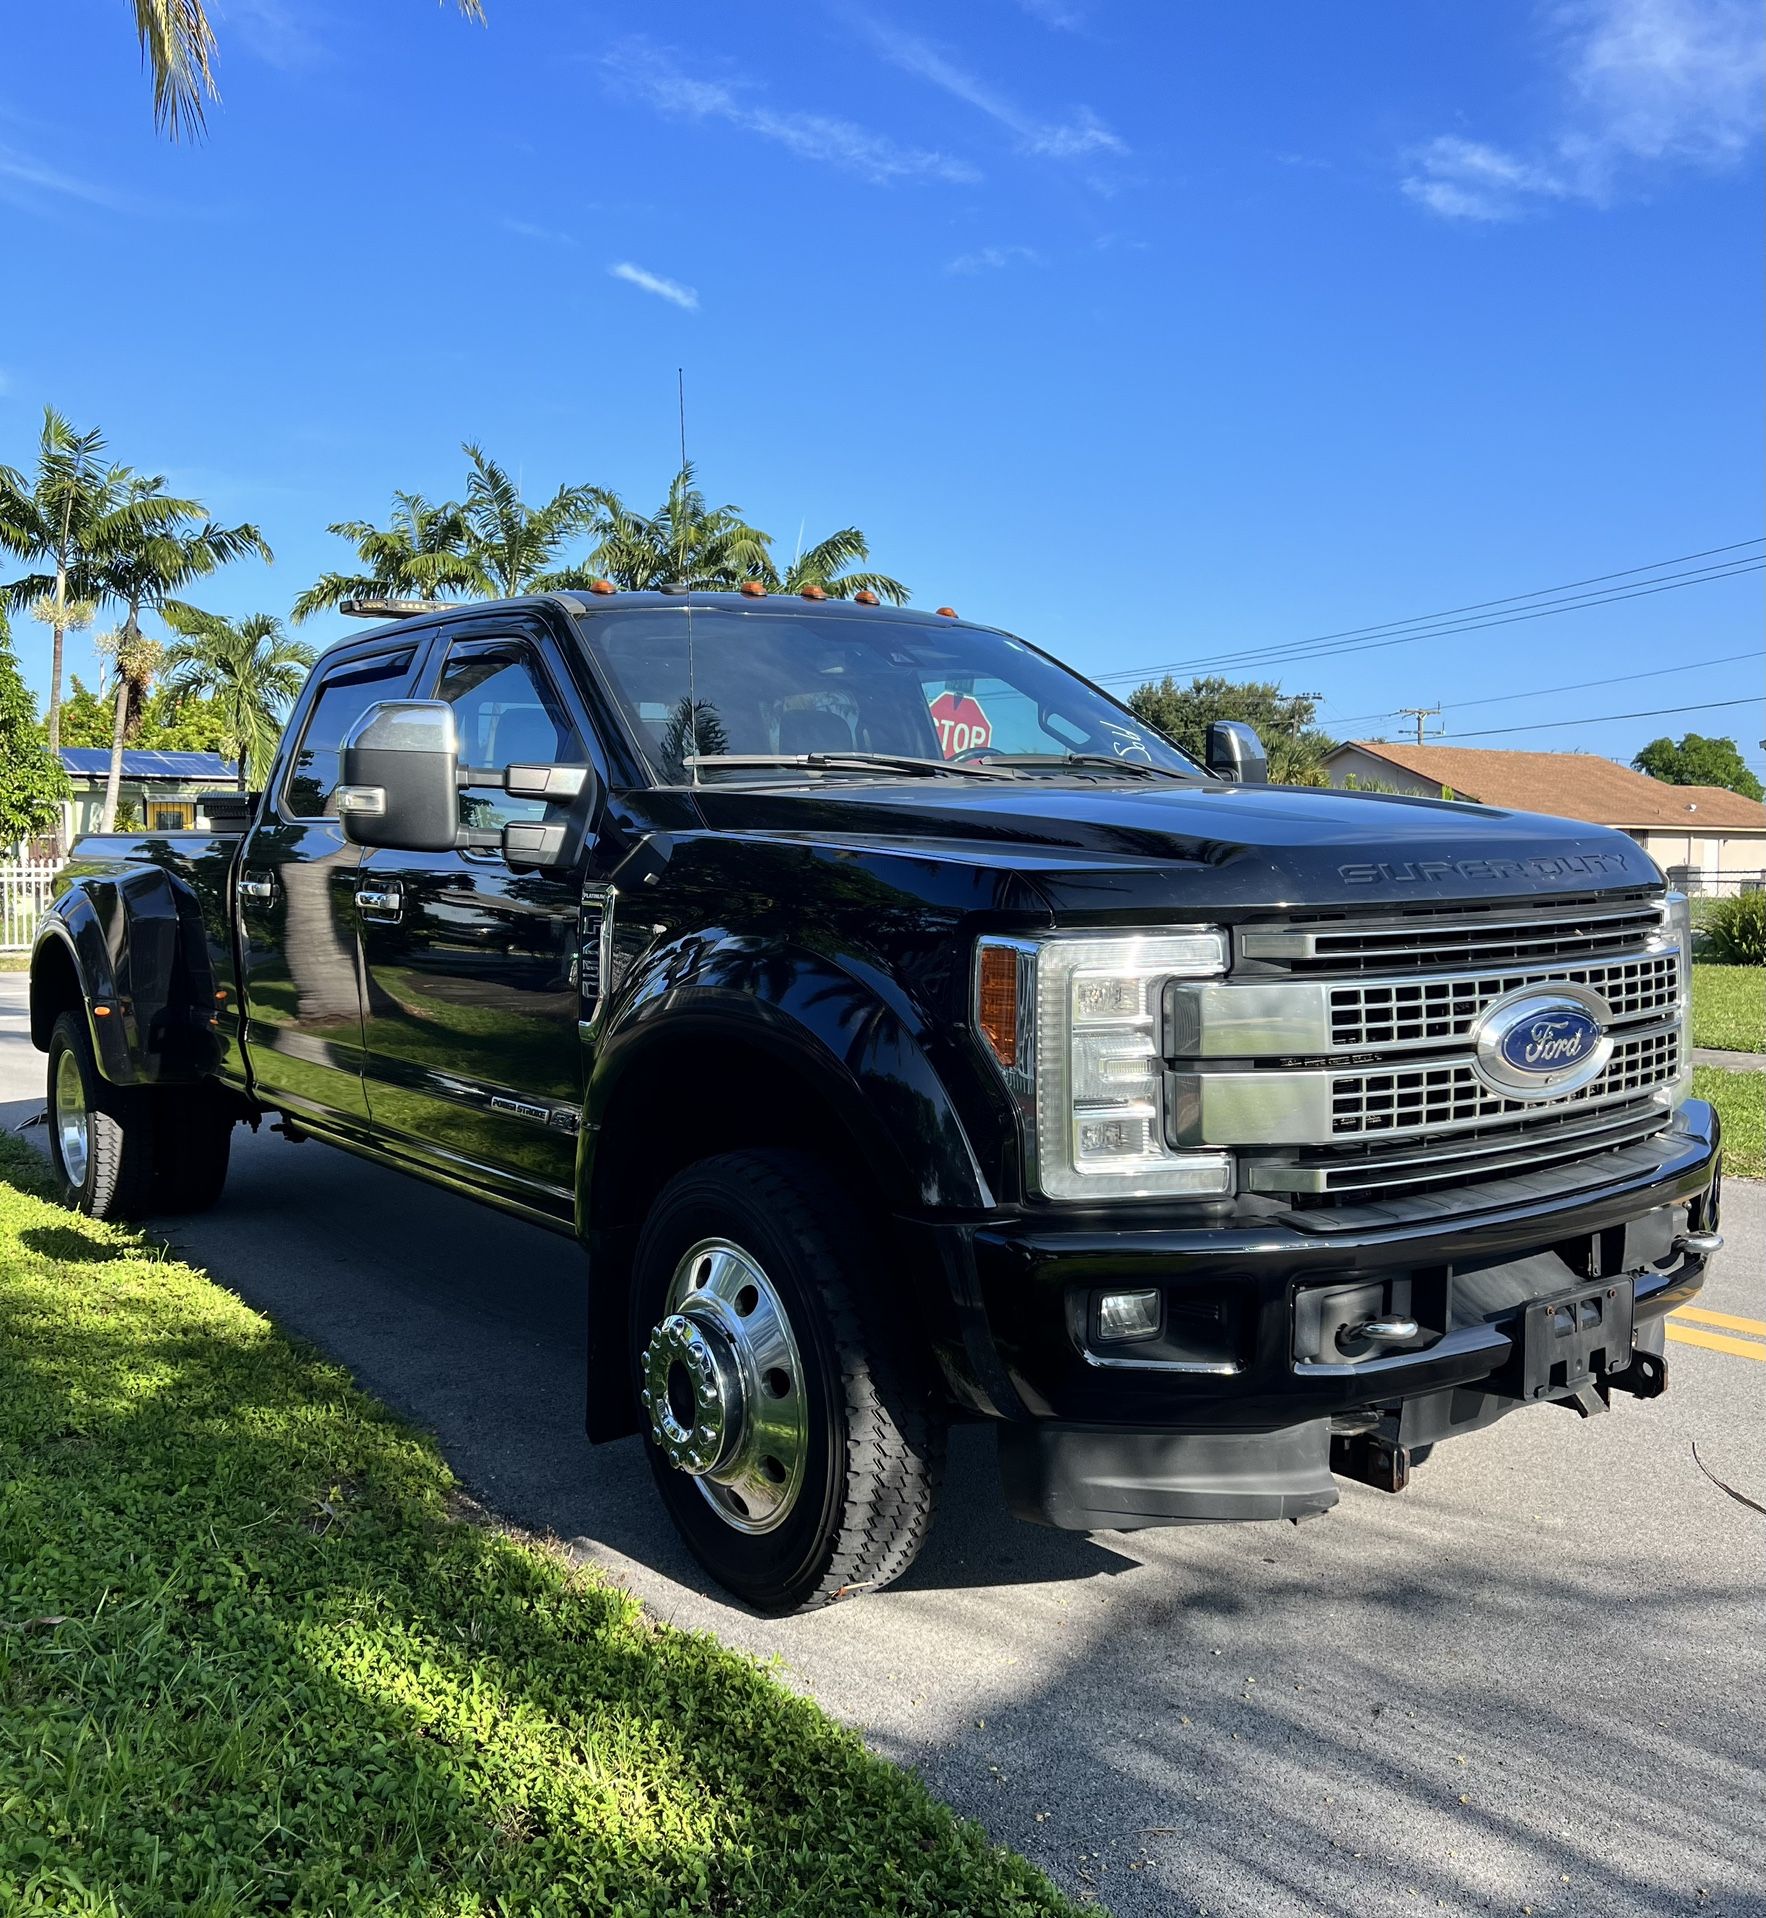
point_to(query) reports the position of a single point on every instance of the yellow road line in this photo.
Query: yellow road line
(1715, 1341)
(1700, 1315)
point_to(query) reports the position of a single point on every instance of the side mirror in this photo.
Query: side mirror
(1235, 752)
(400, 787)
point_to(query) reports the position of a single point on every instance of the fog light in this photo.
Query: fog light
(1126, 1316)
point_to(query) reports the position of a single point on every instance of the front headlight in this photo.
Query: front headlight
(1073, 1021)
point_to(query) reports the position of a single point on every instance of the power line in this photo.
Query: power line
(1307, 650)
(1542, 692)
(1421, 714)
(1600, 719)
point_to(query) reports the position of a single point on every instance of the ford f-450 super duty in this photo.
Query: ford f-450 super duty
(909, 1033)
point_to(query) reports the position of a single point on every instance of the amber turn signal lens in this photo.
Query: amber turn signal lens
(999, 1002)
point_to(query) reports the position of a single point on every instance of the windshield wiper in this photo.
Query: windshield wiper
(1055, 762)
(853, 762)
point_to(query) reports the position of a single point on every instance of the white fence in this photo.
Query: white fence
(25, 892)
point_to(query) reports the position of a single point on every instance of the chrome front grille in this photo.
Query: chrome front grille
(1419, 1012)
(1431, 1098)
(1562, 933)
(1338, 1057)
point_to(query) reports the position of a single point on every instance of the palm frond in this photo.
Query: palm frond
(178, 45)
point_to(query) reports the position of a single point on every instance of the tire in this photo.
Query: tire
(809, 1470)
(100, 1135)
(192, 1144)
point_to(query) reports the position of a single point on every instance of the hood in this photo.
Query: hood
(1102, 847)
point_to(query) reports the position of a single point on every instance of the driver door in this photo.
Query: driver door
(471, 1053)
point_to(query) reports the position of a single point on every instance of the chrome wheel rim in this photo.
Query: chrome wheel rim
(723, 1387)
(72, 1126)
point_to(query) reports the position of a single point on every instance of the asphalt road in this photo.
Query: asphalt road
(1535, 1682)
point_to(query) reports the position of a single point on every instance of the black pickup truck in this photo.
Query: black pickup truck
(908, 1034)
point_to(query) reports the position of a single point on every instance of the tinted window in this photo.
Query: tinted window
(345, 694)
(803, 683)
(505, 714)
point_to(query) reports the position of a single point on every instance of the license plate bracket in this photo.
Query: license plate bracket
(1571, 1340)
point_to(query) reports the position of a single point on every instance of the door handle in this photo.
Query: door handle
(388, 899)
(257, 886)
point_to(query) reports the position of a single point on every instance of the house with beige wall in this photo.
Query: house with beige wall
(1705, 838)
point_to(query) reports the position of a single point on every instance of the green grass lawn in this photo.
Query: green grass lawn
(1740, 1099)
(252, 1659)
(1729, 1007)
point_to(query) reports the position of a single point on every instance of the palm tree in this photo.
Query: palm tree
(248, 667)
(144, 570)
(824, 567)
(73, 508)
(512, 544)
(683, 543)
(137, 658)
(178, 45)
(419, 554)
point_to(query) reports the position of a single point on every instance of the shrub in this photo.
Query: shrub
(1735, 930)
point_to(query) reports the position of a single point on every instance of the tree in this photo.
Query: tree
(513, 546)
(136, 658)
(74, 507)
(419, 554)
(1698, 761)
(32, 783)
(143, 568)
(251, 671)
(178, 48)
(162, 722)
(1283, 721)
(825, 565)
(683, 543)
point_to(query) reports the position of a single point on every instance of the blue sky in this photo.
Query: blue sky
(1155, 331)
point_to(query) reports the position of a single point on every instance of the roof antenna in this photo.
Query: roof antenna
(692, 727)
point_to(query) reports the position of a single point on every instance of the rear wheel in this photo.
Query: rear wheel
(100, 1135)
(791, 1433)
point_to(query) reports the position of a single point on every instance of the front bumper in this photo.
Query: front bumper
(1025, 1288)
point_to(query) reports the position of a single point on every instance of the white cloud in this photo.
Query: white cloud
(1647, 85)
(988, 258)
(275, 32)
(671, 290)
(540, 235)
(1068, 139)
(653, 75)
(25, 179)
(1059, 14)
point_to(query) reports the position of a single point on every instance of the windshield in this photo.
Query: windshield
(799, 683)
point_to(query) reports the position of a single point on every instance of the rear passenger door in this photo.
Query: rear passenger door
(300, 959)
(472, 1055)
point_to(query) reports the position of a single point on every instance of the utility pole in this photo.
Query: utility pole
(1420, 714)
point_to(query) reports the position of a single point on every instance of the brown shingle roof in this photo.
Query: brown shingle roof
(1572, 786)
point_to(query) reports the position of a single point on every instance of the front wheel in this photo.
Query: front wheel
(100, 1135)
(791, 1432)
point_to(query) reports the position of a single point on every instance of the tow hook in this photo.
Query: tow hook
(1371, 1460)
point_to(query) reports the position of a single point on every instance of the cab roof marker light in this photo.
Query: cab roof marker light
(812, 592)
(947, 612)
(866, 597)
(752, 589)
(602, 586)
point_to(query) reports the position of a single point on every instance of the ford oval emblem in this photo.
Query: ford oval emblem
(1539, 1043)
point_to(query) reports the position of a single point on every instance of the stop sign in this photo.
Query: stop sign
(962, 725)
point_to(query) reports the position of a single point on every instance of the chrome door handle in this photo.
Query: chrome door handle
(388, 899)
(263, 890)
